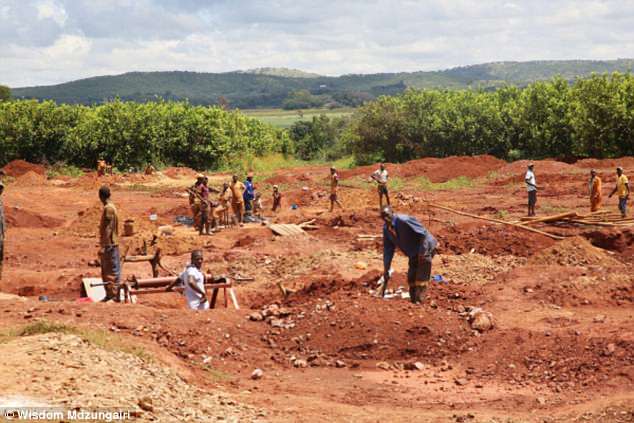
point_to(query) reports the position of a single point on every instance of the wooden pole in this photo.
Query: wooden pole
(526, 228)
(554, 218)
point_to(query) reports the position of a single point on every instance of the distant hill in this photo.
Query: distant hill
(285, 72)
(276, 87)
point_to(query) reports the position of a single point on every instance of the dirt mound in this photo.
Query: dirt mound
(19, 218)
(18, 168)
(76, 370)
(29, 179)
(541, 167)
(574, 251)
(87, 222)
(491, 240)
(436, 170)
(288, 179)
(618, 240)
(625, 162)
(179, 172)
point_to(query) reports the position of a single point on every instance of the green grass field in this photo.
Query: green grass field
(285, 118)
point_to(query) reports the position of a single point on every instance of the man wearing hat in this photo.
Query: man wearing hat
(531, 187)
(622, 188)
(418, 244)
(596, 198)
(1, 228)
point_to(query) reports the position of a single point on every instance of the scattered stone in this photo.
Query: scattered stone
(257, 374)
(300, 363)
(599, 318)
(461, 381)
(480, 320)
(340, 364)
(145, 404)
(383, 365)
(541, 400)
(361, 265)
(609, 349)
(256, 316)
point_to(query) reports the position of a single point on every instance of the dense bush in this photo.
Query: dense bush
(130, 134)
(591, 117)
(319, 138)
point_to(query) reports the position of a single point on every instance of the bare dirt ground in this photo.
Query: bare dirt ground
(561, 348)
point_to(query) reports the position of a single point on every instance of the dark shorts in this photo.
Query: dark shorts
(623, 206)
(532, 198)
(110, 268)
(419, 269)
(333, 197)
(382, 189)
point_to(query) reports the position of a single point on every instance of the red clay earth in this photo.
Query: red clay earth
(561, 348)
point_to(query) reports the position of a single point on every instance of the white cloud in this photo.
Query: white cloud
(52, 41)
(49, 9)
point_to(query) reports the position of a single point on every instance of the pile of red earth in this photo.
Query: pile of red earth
(20, 218)
(613, 239)
(29, 179)
(17, 168)
(574, 251)
(436, 170)
(491, 240)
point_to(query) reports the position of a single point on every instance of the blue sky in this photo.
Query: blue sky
(52, 41)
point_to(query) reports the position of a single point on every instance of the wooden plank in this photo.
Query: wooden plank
(554, 218)
(286, 229)
(526, 228)
(95, 293)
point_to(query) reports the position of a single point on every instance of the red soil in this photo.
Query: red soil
(18, 168)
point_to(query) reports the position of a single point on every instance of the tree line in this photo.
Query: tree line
(129, 134)
(591, 117)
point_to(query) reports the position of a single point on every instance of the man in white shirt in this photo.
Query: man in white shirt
(380, 177)
(531, 187)
(194, 282)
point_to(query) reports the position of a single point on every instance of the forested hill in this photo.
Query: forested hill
(274, 87)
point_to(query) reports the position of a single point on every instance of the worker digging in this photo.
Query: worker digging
(416, 242)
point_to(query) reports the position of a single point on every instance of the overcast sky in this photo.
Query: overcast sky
(52, 41)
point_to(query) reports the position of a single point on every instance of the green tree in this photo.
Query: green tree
(5, 93)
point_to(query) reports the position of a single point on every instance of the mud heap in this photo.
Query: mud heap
(574, 251)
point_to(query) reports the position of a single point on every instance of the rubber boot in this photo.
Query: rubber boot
(412, 294)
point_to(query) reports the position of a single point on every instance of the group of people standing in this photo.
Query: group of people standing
(595, 188)
(237, 202)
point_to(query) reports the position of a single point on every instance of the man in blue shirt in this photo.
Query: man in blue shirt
(249, 193)
(415, 241)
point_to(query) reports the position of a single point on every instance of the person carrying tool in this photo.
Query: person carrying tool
(531, 188)
(237, 200)
(203, 193)
(193, 281)
(249, 194)
(109, 245)
(277, 198)
(2, 224)
(224, 204)
(380, 177)
(194, 200)
(416, 242)
(622, 189)
(334, 185)
(596, 197)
